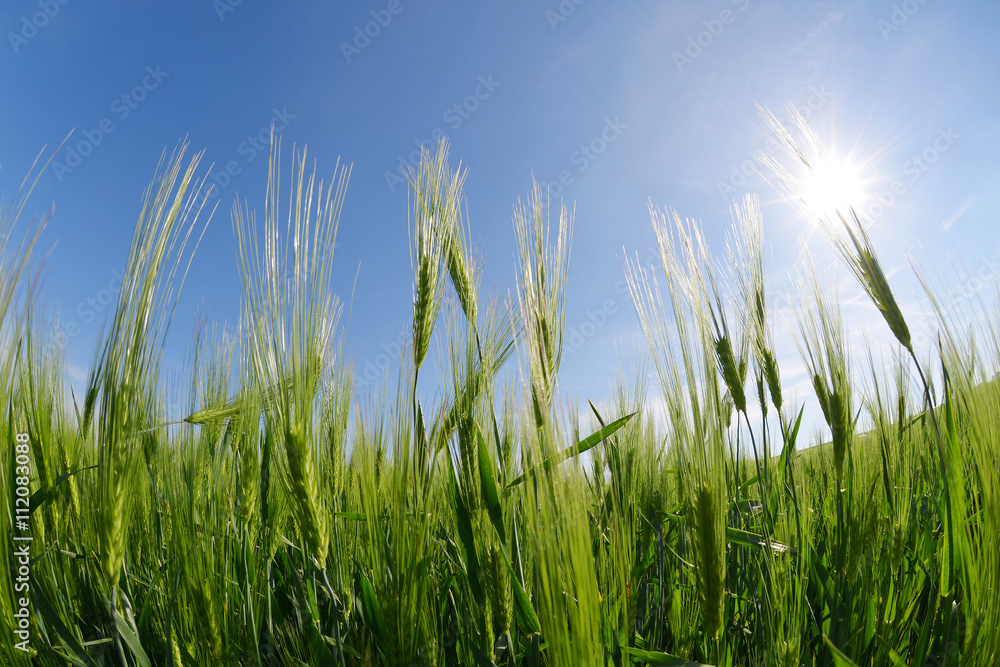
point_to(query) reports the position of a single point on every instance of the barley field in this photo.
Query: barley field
(286, 518)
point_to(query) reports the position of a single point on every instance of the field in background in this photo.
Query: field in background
(287, 522)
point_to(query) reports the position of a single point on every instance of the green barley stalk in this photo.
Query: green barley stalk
(442, 189)
(124, 375)
(542, 272)
(434, 223)
(17, 283)
(292, 314)
(684, 353)
(746, 259)
(823, 346)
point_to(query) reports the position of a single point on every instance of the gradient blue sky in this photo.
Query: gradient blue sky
(884, 80)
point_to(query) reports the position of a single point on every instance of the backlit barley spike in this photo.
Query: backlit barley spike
(865, 266)
(207, 616)
(824, 350)
(291, 316)
(306, 497)
(771, 375)
(126, 368)
(430, 213)
(730, 372)
(543, 269)
(451, 227)
(709, 549)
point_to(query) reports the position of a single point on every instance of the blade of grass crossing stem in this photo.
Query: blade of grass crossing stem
(481, 658)
(748, 539)
(467, 536)
(76, 653)
(39, 497)
(372, 610)
(657, 658)
(840, 659)
(488, 483)
(305, 601)
(522, 605)
(131, 640)
(587, 443)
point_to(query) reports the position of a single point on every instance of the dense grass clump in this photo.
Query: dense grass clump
(289, 520)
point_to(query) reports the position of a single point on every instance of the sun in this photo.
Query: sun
(831, 185)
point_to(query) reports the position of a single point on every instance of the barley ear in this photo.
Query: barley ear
(543, 270)
(450, 225)
(709, 538)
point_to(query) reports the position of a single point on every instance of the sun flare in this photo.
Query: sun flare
(830, 186)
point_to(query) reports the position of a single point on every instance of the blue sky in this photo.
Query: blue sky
(650, 101)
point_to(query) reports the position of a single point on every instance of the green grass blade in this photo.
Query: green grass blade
(77, 654)
(372, 610)
(131, 640)
(41, 496)
(840, 658)
(749, 539)
(467, 536)
(657, 658)
(587, 443)
(522, 605)
(488, 484)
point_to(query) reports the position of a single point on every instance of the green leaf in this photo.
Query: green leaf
(840, 659)
(791, 437)
(488, 485)
(371, 610)
(308, 622)
(467, 536)
(657, 658)
(749, 539)
(481, 658)
(41, 496)
(522, 605)
(587, 443)
(76, 653)
(131, 640)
